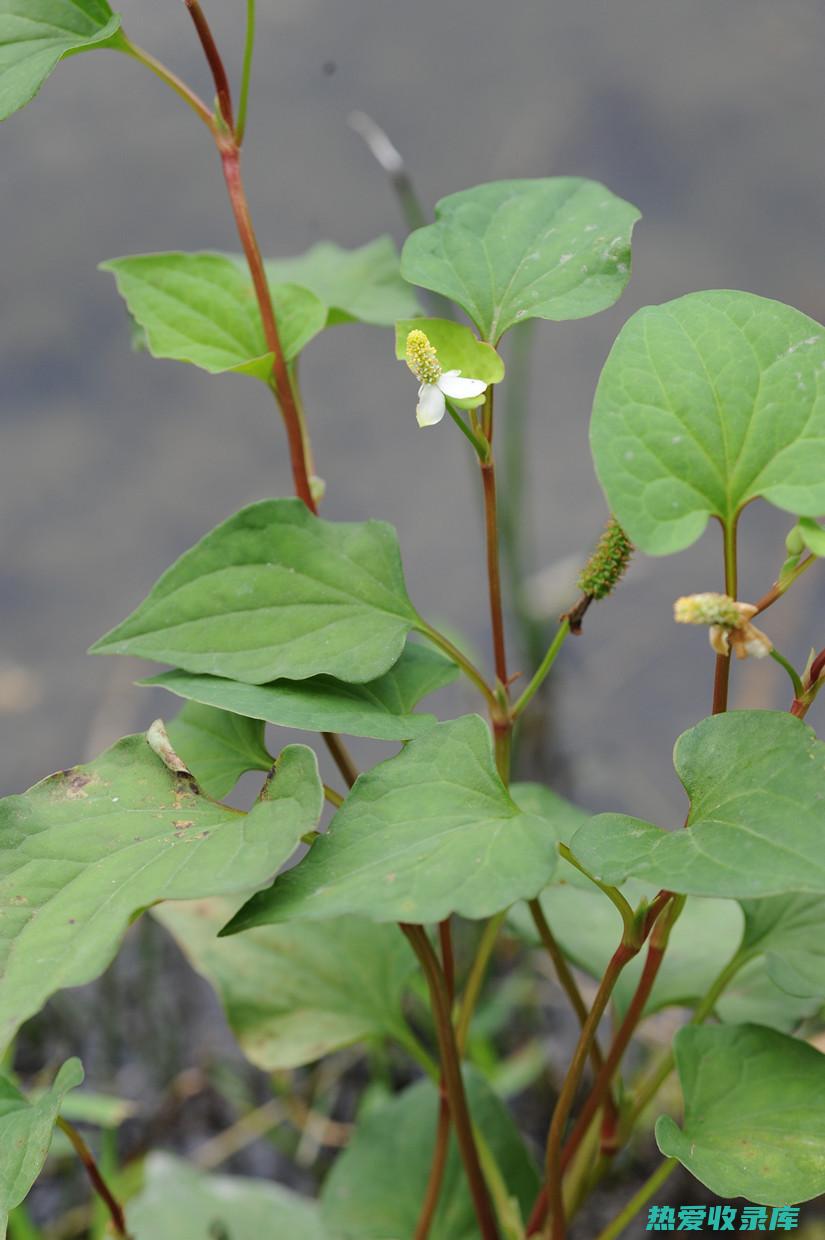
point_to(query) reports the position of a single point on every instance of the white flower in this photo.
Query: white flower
(436, 385)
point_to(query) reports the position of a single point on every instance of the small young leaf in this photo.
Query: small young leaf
(428, 833)
(813, 535)
(381, 709)
(201, 308)
(181, 1201)
(293, 994)
(458, 348)
(362, 285)
(26, 1133)
(276, 591)
(36, 34)
(756, 782)
(85, 850)
(754, 1123)
(513, 250)
(218, 747)
(376, 1186)
(704, 404)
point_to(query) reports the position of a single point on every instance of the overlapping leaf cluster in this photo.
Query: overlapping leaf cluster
(281, 617)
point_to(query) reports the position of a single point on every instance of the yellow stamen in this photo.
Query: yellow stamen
(422, 358)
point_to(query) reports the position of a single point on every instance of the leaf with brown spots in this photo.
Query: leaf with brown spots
(84, 851)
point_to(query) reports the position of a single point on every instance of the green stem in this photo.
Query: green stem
(640, 1199)
(171, 79)
(405, 1037)
(621, 957)
(475, 979)
(480, 446)
(565, 977)
(784, 584)
(791, 670)
(333, 797)
(543, 669)
(249, 48)
(625, 911)
(655, 953)
(469, 669)
(453, 1080)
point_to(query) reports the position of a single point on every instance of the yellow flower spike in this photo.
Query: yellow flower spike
(422, 358)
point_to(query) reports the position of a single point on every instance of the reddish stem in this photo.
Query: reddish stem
(213, 56)
(442, 1131)
(93, 1172)
(453, 1080)
(488, 477)
(281, 379)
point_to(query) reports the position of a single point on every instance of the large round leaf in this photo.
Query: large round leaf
(704, 404)
(557, 248)
(276, 591)
(293, 994)
(428, 833)
(85, 850)
(756, 782)
(754, 1121)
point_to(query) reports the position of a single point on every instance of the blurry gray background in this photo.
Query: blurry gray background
(708, 115)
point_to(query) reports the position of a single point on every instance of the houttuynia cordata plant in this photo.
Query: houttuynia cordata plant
(369, 913)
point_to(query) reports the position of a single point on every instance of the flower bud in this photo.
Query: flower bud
(606, 566)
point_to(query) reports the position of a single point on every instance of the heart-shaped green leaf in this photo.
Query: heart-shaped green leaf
(458, 348)
(181, 1201)
(376, 1186)
(85, 850)
(363, 285)
(754, 1123)
(201, 308)
(36, 34)
(428, 833)
(507, 251)
(218, 747)
(704, 404)
(293, 994)
(756, 782)
(381, 709)
(276, 591)
(26, 1133)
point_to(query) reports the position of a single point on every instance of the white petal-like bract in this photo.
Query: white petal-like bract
(431, 405)
(453, 385)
